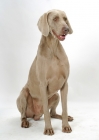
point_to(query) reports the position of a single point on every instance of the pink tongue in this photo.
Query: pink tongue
(62, 37)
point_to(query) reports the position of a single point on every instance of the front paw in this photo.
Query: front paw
(66, 129)
(48, 131)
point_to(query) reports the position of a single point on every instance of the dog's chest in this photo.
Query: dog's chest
(57, 74)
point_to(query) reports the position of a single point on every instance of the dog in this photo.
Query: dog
(48, 74)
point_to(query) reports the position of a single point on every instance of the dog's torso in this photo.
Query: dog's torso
(57, 71)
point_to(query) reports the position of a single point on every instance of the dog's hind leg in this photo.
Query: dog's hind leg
(53, 102)
(22, 106)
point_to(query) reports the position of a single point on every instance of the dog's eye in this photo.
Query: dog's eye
(56, 19)
(65, 18)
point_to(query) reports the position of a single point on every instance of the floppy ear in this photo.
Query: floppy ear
(43, 24)
(70, 29)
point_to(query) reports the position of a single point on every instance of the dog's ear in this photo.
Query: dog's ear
(70, 29)
(43, 24)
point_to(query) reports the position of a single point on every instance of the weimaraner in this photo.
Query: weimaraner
(48, 74)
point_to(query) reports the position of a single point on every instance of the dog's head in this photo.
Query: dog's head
(56, 23)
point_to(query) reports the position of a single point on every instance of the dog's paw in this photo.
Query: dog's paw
(48, 131)
(70, 118)
(67, 129)
(25, 124)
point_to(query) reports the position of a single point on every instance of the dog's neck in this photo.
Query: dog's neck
(51, 42)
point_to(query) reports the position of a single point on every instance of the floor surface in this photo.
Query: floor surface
(84, 127)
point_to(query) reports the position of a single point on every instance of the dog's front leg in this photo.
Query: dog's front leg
(65, 126)
(48, 128)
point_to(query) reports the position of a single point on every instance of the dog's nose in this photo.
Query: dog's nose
(65, 29)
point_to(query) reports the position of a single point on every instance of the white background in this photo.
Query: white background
(19, 39)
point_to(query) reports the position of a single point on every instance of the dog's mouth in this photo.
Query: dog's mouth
(60, 37)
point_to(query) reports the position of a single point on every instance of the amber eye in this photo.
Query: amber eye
(65, 18)
(56, 19)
